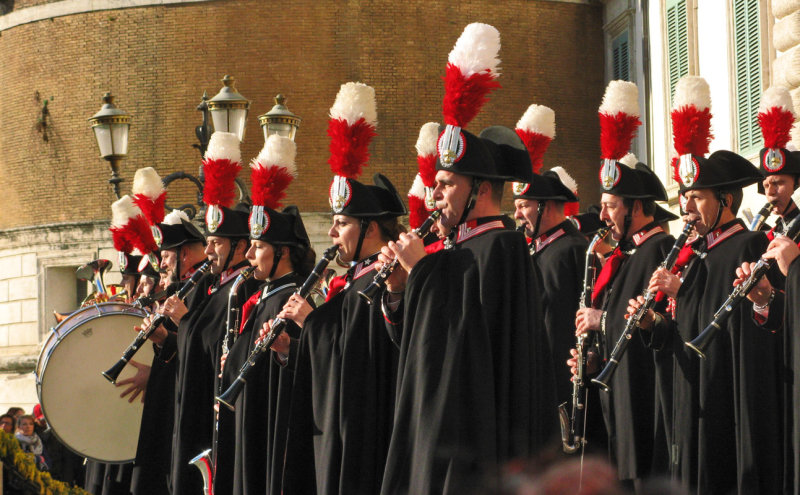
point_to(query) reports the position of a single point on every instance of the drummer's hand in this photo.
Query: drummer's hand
(174, 308)
(397, 280)
(159, 334)
(138, 382)
(281, 344)
(408, 249)
(761, 292)
(296, 309)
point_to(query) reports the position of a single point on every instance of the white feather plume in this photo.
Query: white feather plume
(539, 119)
(476, 50)
(354, 101)
(224, 145)
(417, 188)
(280, 151)
(620, 96)
(692, 90)
(123, 210)
(428, 137)
(147, 182)
(629, 160)
(796, 196)
(566, 179)
(174, 217)
(776, 96)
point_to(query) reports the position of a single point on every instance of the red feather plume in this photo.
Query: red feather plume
(571, 209)
(122, 240)
(152, 209)
(143, 236)
(676, 176)
(427, 169)
(269, 185)
(691, 130)
(776, 125)
(616, 133)
(219, 188)
(537, 145)
(464, 97)
(417, 213)
(349, 147)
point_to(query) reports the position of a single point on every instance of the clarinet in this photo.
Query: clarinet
(146, 301)
(604, 378)
(760, 217)
(234, 309)
(704, 339)
(228, 398)
(572, 427)
(113, 372)
(379, 282)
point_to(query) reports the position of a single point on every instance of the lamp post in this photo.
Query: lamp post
(229, 109)
(110, 126)
(279, 120)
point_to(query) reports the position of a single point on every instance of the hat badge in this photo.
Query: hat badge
(430, 203)
(340, 194)
(158, 236)
(520, 188)
(609, 174)
(214, 218)
(688, 169)
(259, 221)
(123, 261)
(774, 160)
(450, 146)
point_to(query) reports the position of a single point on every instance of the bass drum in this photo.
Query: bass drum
(84, 410)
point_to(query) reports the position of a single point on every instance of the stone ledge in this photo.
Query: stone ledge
(23, 363)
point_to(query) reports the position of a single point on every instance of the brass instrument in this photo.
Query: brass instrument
(112, 373)
(203, 463)
(379, 282)
(228, 398)
(93, 272)
(604, 378)
(572, 438)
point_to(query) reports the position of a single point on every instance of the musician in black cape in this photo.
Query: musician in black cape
(280, 252)
(725, 419)
(557, 250)
(636, 436)
(475, 383)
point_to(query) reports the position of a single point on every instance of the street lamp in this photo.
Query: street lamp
(229, 109)
(111, 127)
(279, 120)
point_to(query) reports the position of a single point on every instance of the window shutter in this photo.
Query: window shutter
(747, 57)
(677, 43)
(620, 56)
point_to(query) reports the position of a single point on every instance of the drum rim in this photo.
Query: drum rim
(43, 366)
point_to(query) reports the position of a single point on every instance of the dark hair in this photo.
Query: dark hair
(14, 410)
(498, 186)
(648, 206)
(12, 418)
(389, 227)
(302, 259)
(736, 200)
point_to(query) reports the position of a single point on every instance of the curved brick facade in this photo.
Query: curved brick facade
(157, 60)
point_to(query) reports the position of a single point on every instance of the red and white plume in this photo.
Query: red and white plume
(691, 119)
(149, 194)
(537, 128)
(273, 170)
(619, 119)
(571, 208)
(351, 127)
(176, 217)
(417, 211)
(129, 228)
(629, 160)
(427, 153)
(776, 117)
(221, 165)
(471, 74)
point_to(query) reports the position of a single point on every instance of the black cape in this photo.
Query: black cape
(790, 381)
(262, 408)
(198, 340)
(475, 380)
(636, 435)
(345, 377)
(560, 265)
(726, 409)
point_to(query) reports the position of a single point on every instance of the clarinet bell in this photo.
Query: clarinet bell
(702, 341)
(113, 372)
(369, 293)
(228, 398)
(604, 377)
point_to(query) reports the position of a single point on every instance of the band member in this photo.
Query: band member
(280, 252)
(346, 369)
(726, 416)
(475, 378)
(630, 190)
(780, 167)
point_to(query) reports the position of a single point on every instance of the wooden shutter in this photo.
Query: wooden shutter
(620, 56)
(677, 43)
(747, 59)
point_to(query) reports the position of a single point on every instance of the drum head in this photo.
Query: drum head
(84, 409)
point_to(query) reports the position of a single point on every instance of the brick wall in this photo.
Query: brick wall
(158, 60)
